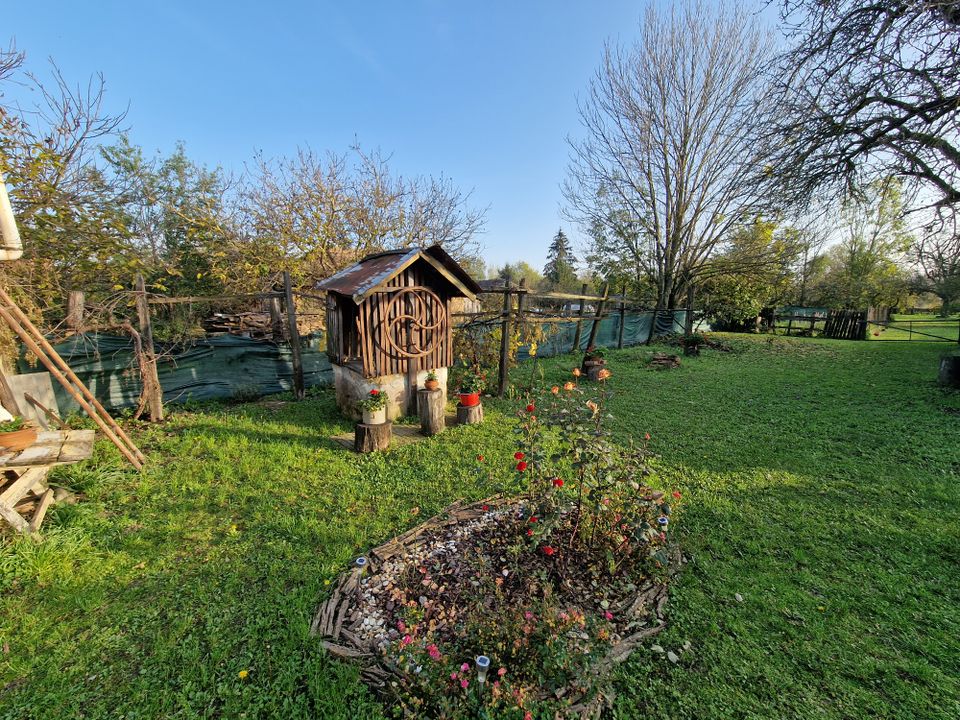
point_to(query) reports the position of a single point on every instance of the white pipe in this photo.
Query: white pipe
(12, 248)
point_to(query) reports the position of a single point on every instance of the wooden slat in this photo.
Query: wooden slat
(14, 518)
(21, 486)
(41, 510)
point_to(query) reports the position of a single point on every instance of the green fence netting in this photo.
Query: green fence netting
(636, 329)
(221, 366)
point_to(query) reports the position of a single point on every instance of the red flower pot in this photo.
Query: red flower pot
(470, 399)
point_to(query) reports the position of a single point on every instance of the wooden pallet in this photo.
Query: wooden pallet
(24, 494)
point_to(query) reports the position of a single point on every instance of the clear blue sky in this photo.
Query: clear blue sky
(483, 92)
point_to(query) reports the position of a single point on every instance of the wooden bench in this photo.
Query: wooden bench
(23, 484)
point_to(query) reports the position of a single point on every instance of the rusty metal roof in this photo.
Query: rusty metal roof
(358, 281)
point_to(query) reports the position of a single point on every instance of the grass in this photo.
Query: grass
(918, 327)
(819, 480)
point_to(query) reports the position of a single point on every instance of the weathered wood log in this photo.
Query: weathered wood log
(369, 438)
(430, 409)
(469, 415)
(592, 369)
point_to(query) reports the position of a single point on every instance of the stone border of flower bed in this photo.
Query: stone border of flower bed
(339, 631)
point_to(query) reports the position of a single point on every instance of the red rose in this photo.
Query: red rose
(518, 455)
(529, 532)
(558, 482)
(676, 494)
(547, 550)
(646, 436)
(486, 507)
(374, 392)
(530, 407)
(533, 518)
(479, 458)
(521, 466)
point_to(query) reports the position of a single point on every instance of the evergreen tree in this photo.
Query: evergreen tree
(560, 270)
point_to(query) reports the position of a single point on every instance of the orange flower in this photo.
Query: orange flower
(554, 389)
(604, 374)
(576, 372)
(568, 386)
(593, 406)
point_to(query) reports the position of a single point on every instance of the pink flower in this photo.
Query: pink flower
(646, 436)
(453, 675)
(501, 672)
(433, 651)
(406, 640)
(608, 615)
(464, 683)
(465, 667)
(528, 715)
(401, 626)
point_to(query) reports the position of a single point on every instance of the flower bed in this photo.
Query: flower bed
(554, 586)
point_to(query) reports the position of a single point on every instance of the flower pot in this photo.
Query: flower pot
(18, 439)
(431, 384)
(470, 399)
(375, 417)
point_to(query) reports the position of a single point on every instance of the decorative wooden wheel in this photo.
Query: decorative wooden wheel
(417, 322)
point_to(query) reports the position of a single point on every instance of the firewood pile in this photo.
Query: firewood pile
(664, 361)
(252, 324)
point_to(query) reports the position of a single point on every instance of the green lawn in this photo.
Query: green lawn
(820, 483)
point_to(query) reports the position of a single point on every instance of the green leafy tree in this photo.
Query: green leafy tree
(522, 270)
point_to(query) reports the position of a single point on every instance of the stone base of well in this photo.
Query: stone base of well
(351, 387)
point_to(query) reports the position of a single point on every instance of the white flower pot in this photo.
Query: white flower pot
(375, 417)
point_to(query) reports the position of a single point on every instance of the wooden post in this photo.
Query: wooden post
(596, 322)
(75, 304)
(623, 317)
(276, 318)
(653, 323)
(151, 383)
(298, 390)
(7, 398)
(688, 322)
(583, 308)
(505, 339)
(430, 408)
(472, 415)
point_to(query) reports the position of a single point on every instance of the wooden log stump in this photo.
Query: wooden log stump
(369, 438)
(469, 415)
(592, 369)
(950, 370)
(430, 409)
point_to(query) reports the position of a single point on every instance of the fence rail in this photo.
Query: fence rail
(942, 330)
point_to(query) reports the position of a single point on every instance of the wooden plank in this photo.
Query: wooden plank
(21, 486)
(596, 323)
(37, 455)
(505, 342)
(151, 381)
(14, 518)
(623, 316)
(41, 510)
(579, 328)
(299, 391)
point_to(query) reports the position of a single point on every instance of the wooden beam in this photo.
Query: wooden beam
(75, 307)
(299, 392)
(623, 316)
(151, 383)
(505, 342)
(579, 330)
(596, 323)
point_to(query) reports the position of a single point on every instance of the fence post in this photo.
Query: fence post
(505, 338)
(583, 307)
(276, 318)
(688, 321)
(75, 302)
(151, 382)
(298, 390)
(599, 315)
(623, 316)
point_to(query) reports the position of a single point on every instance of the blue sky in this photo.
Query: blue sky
(484, 92)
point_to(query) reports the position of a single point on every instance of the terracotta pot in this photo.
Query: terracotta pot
(470, 399)
(431, 384)
(375, 417)
(18, 439)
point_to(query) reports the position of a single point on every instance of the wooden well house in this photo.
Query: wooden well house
(389, 324)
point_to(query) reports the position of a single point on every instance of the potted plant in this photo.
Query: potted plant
(471, 385)
(691, 343)
(432, 382)
(593, 357)
(374, 408)
(16, 434)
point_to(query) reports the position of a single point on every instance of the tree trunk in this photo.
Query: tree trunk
(369, 438)
(469, 415)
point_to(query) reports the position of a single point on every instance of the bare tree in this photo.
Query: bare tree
(871, 90)
(937, 255)
(672, 149)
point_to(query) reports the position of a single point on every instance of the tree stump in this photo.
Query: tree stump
(593, 368)
(369, 438)
(469, 415)
(430, 409)
(950, 370)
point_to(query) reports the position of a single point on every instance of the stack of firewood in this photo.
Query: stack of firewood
(253, 324)
(664, 361)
